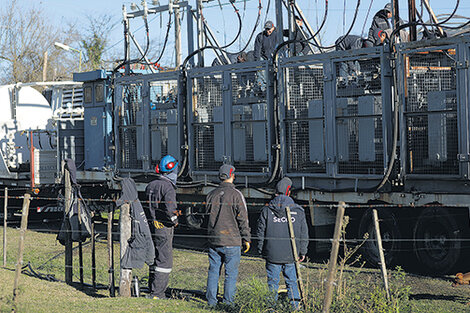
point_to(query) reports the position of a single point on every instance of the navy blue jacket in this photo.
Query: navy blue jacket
(265, 45)
(162, 196)
(273, 231)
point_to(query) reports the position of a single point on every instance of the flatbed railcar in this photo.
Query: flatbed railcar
(395, 137)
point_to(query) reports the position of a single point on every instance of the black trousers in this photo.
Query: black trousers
(161, 268)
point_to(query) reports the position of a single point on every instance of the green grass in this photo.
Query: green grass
(361, 290)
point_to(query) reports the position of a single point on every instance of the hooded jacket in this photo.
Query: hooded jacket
(273, 231)
(379, 22)
(162, 196)
(228, 216)
(140, 249)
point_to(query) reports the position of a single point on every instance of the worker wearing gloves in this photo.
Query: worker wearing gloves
(274, 240)
(228, 230)
(380, 22)
(162, 218)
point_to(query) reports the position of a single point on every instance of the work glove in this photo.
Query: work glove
(246, 246)
(158, 225)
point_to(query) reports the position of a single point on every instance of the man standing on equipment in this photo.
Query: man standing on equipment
(162, 218)
(228, 229)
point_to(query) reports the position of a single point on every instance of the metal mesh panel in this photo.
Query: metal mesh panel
(128, 120)
(207, 95)
(249, 121)
(431, 112)
(127, 140)
(358, 77)
(204, 142)
(432, 154)
(163, 101)
(359, 117)
(163, 94)
(305, 118)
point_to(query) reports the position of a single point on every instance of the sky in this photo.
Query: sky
(223, 20)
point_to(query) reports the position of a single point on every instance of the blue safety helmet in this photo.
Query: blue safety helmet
(167, 164)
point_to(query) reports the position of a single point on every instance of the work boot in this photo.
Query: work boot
(153, 297)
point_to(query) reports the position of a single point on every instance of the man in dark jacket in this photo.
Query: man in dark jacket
(380, 22)
(274, 240)
(162, 219)
(301, 46)
(266, 42)
(350, 42)
(228, 229)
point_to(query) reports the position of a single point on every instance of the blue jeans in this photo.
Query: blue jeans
(230, 257)
(288, 270)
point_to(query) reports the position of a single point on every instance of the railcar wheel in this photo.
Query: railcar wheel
(390, 233)
(437, 240)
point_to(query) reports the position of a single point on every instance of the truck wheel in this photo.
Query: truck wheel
(436, 241)
(389, 231)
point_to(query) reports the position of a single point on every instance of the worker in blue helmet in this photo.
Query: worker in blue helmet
(163, 217)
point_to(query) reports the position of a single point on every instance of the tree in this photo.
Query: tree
(95, 40)
(25, 37)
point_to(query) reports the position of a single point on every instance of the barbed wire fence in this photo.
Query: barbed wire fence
(97, 239)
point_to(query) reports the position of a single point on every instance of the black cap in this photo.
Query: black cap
(283, 186)
(225, 171)
(268, 25)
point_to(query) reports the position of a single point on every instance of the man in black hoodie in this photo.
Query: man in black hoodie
(162, 217)
(274, 240)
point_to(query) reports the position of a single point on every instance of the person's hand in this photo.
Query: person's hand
(158, 225)
(301, 258)
(246, 246)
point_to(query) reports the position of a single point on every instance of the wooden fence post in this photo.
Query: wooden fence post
(80, 246)
(383, 266)
(125, 232)
(112, 292)
(296, 255)
(5, 214)
(68, 229)
(333, 258)
(19, 261)
(93, 252)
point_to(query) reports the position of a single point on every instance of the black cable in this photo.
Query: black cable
(367, 16)
(258, 19)
(148, 40)
(239, 25)
(166, 38)
(323, 21)
(276, 51)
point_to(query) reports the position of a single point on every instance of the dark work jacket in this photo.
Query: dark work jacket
(79, 227)
(273, 231)
(227, 216)
(162, 196)
(265, 45)
(379, 22)
(140, 249)
(233, 57)
(301, 47)
(350, 42)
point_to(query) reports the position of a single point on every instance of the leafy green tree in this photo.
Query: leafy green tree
(95, 40)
